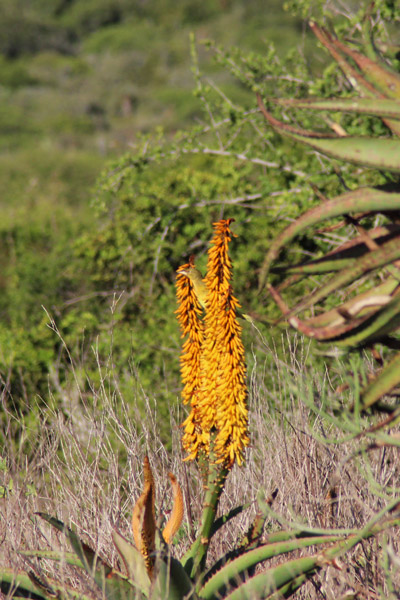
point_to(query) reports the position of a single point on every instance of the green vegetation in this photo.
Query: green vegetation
(80, 82)
(117, 155)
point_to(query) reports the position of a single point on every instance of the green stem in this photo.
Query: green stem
(217, 475)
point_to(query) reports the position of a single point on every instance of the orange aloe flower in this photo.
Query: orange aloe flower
(188, 314)
(219, 392)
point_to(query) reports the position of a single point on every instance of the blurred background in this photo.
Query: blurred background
(81, 81)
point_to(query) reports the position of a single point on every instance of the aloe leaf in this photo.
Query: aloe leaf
(228, 516)
(361, 200)
(351, 72)
(351, 331)
(384, 255)
(377, 153)
(342, 256)
(288, 590)
(316, 267)
(282, 577)
(42, 584)
(133, 561)
(381, 323)
(90, 560)
(379, 107)
(68, 557)
(384, 382)
(231, 573)
(357, 79)
(383, 79)
(265, 584)
(20, 585)
(171, 581)
(357, 305)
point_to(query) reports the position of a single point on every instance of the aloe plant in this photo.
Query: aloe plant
(372, 315)
(215, 436)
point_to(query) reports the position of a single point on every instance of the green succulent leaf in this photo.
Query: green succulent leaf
(19, 585)
(377, 153)
(359, 305)
(379, 107)
(384, 80)
(133, 562)
(68, 557)
(374, 328)
(228, 516)
(23, 585)
(358, 201)
(385, 381)
(343, 255)
(171, 580)
(384, 255)
(93, 564)
(287, 577)
(230, 574)
(273, 580)
(369, 77)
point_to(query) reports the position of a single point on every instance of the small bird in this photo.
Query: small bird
(200, 288)
(199, 285)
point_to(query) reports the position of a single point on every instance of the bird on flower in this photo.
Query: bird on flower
(200, 287)
(198, 282)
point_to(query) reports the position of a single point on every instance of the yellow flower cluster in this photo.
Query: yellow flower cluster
(213, 365)
(188, 314)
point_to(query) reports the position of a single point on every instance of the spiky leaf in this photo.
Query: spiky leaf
(133, 561)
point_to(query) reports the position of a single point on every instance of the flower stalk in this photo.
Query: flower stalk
(214, 377)
(212, 362)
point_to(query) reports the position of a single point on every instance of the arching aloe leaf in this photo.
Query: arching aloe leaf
(360, 305)
(133, 562)
(280, 578)
(384, 255)
(361, 200)
(322, 333)
(385, 381)
(377, 86)
(379, 107)
(68, 557)
(228, 575)
(90, 560)
(342, 256)
(263, 585)
(350, 330)
(358, 81)
(377, 153)
(383, 79)
(20, 585)
(380, 324)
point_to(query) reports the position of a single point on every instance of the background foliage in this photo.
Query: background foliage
(99, 254)
(90, 382)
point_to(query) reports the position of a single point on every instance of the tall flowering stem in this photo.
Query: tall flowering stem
(192, 326)
(214, 377)
(212, 362)
(224, 391)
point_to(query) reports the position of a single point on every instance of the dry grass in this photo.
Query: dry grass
(86, 469)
